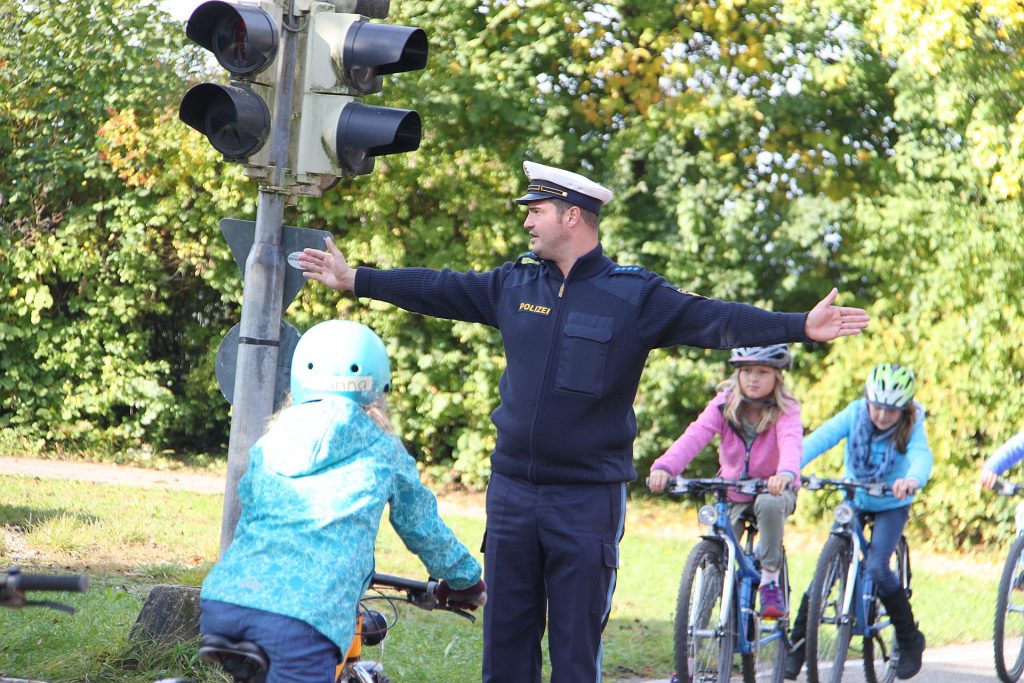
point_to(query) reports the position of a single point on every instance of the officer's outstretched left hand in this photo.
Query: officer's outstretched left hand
(826, 322)
(467, 598)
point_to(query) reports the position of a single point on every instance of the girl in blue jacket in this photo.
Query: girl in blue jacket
(312, 500)
(1005, 457)
(885, 441)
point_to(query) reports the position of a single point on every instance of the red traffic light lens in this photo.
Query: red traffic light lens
(242, 38)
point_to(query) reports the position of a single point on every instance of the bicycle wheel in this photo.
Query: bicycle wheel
(1009, 627)
(704, 637)
(769, 665)
(880, 649)
(828, 629)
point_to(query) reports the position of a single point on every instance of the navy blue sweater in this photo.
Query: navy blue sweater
(575, 349)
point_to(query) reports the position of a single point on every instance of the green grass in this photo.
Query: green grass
(129, 539)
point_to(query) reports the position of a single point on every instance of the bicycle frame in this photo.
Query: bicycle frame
(741, 576)
(858, 583)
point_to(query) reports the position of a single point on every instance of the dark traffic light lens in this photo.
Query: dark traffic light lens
(365, 131)
(236, 120)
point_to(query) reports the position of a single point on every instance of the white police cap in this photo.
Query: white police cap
(547, 182)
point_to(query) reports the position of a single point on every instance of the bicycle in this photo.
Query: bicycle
(715, 612)
(14, 585)
(246, 662)
(1008, 632)
(842, 598)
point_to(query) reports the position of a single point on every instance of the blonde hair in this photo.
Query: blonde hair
(770, 413)
(377, 410)
(380, 413)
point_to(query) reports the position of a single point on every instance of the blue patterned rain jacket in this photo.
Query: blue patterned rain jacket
(312, 500)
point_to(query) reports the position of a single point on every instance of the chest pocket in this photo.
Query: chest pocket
(581, 364)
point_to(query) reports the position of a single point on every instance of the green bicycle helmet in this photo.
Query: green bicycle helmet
(890, 385)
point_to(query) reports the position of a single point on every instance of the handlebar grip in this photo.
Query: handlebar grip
(46, 582)
(401, 583)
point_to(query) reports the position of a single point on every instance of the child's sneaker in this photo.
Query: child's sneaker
(773, 606)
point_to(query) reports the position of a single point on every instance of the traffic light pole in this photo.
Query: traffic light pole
(259, 332)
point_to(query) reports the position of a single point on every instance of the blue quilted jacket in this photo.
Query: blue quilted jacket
(312, 500)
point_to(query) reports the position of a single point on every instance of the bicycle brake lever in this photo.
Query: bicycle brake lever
(52, 605)
(461, 613)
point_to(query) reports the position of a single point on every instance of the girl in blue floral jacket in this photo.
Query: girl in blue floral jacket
(312, 499)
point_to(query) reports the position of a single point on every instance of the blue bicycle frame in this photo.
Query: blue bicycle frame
(862, 585)
(741, 575)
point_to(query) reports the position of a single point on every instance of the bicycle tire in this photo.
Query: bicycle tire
(703, 654)
(770, 662)
(881, 650)
(1007, 632)
(828, 630)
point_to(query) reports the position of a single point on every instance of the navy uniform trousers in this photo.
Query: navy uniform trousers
(550, 551)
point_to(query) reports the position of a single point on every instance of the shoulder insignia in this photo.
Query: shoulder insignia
(685, 291)
(628, 270)
(528, 259)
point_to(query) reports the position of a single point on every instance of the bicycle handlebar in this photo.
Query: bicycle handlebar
(14, 585)
(679, 485)
(874, 488)
(1004, 487)
(421, 594)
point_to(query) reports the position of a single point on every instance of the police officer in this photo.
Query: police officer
(577, 329)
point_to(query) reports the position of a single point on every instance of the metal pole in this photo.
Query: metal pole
(262, 293)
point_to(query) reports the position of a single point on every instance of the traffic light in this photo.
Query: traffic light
(244, 39)
(346, 57)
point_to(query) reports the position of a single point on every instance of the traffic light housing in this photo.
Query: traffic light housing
(340, 56)
(244, 39)
(346, 58)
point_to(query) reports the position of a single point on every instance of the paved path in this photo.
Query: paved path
(970, 663)
(113, 474)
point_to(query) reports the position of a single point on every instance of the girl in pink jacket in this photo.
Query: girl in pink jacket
(758, 421)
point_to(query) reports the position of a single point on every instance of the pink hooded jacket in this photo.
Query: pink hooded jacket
(775, 451)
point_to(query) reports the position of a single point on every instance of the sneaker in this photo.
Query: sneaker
(675, 678)
(773, 606)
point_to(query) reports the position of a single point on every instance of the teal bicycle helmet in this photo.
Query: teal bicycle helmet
(340, 358)
(890, 385)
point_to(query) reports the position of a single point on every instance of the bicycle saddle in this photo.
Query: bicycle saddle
(246, 662)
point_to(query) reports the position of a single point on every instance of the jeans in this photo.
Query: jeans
(886, 534)
(298, 653)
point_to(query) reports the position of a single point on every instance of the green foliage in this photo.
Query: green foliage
(760, 151)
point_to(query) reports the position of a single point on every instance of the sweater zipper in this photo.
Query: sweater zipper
(746, 456)
(544, 382)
